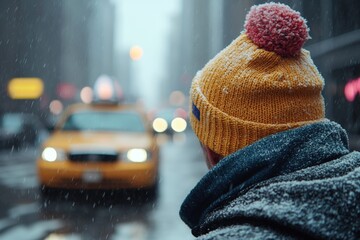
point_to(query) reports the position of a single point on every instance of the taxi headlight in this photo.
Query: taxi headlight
(160, 125)
(137, 155)
(178, 124)
(52, 154)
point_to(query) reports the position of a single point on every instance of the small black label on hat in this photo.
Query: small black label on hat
(196, 111)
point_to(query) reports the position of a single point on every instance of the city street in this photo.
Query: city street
(99, 99)
(24, 214)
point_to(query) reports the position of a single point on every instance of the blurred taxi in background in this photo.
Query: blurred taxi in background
(101, 145)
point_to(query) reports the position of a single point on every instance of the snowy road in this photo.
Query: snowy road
(24, 215)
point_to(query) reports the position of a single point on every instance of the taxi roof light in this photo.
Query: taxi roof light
(106, 90)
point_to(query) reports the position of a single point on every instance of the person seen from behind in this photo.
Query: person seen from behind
(278, 168)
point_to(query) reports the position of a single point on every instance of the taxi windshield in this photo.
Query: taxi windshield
(122, 121)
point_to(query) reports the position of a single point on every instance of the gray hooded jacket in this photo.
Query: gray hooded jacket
(298, 184)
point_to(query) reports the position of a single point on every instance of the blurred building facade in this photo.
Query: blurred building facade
(196, 37)
(335, 48)
(61, 42)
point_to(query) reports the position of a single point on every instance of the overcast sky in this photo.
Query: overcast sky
(147, 24)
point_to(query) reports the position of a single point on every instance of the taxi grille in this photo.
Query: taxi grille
(93, 157)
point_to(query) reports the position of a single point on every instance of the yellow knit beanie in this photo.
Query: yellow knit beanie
(261, 84)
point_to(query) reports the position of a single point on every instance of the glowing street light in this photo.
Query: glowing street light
(136, 53)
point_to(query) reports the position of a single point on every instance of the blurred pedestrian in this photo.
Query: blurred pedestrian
(278, 168)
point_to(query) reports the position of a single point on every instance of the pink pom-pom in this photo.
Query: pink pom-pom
(276, 27)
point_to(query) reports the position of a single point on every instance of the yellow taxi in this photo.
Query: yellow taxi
(100, 146)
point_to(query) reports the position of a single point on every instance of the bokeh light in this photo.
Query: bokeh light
(178, 124)
(177, 98)
(86, 94)
(180, 112)
(103, 88)
(136, 53)
(352, 88)
(56, 107)
(160, 125)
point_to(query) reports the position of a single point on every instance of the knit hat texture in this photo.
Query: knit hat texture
(264, 82)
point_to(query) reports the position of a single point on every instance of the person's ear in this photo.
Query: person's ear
(212, 158)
